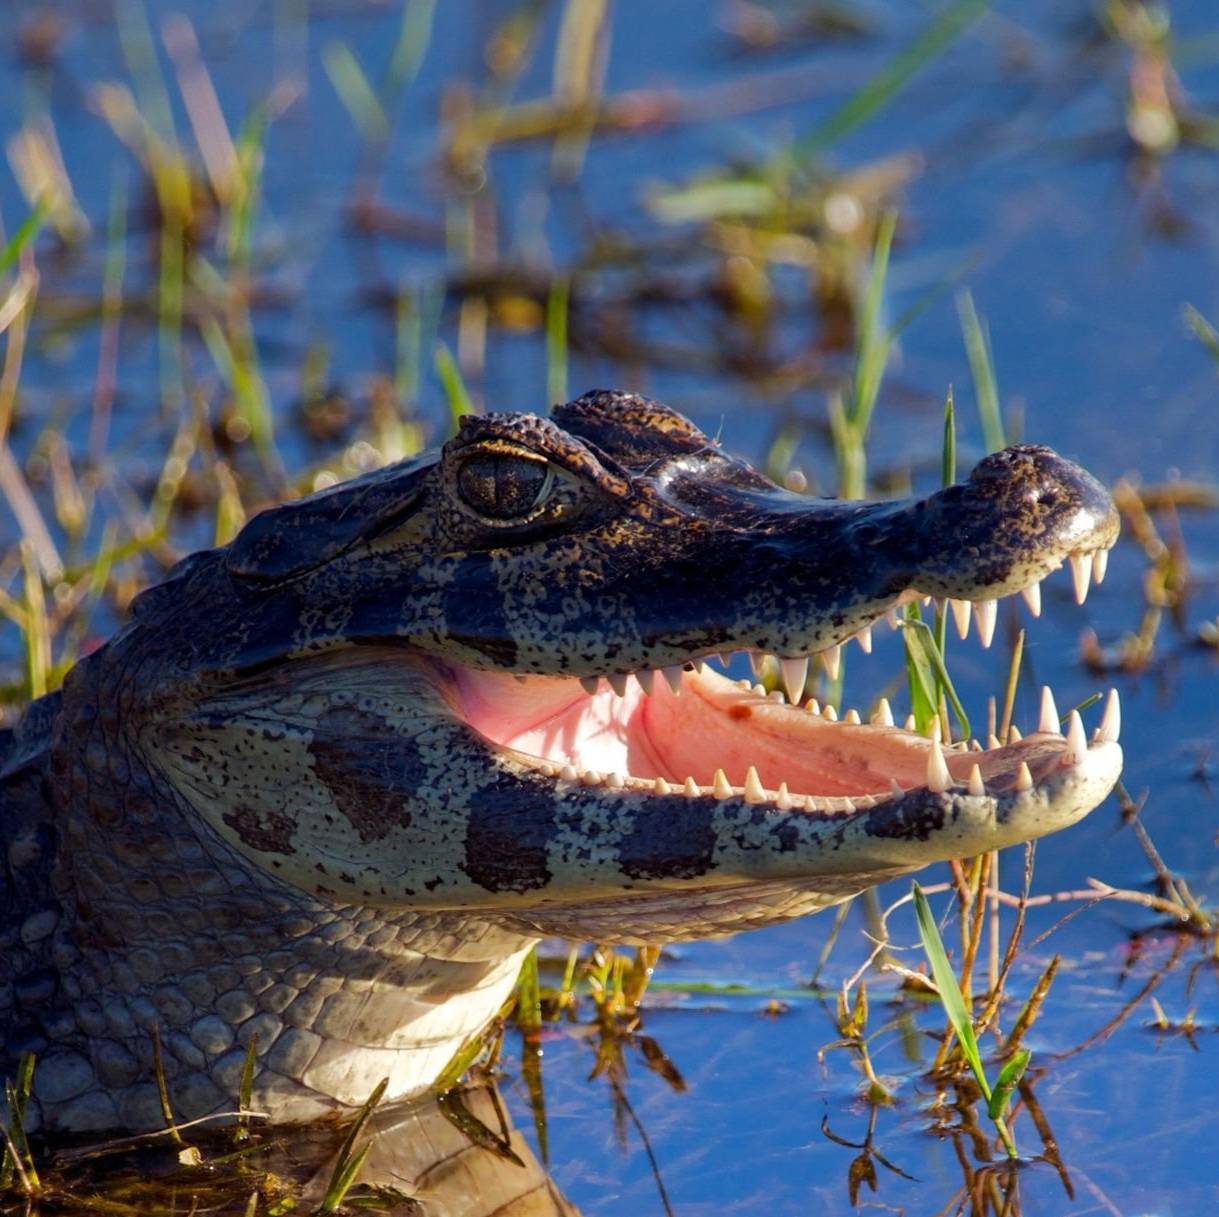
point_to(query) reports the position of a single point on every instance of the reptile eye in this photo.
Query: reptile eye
(501, 486)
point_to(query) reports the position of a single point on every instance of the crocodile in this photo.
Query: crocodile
(329, 783)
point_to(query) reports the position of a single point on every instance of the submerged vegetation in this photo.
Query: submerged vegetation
(173, 360)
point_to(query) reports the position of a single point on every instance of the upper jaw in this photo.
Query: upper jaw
(698, 566)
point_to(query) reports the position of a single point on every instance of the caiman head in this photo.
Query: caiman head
(476, 680)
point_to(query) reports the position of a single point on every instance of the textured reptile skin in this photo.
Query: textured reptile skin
(258, 811)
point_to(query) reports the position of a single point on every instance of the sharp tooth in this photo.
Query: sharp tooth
(851, 716)
(590, 684)
(720, 787)
(884, 714)
(910, 724)
(691, 789)
(938, 777)
(813, 706)
(1077, 741)
(617, 682)
(962, 610)
(986, 613)
(673, 676)
(992, 741)
(864, 638)
(830, 713)
(1032, 597)
(660, 786)
(1024, 779)
(1049, 720)
(778, 695)
(758, 690)
(977, 787)
(590, 777)
(647, 681)
(795, 673)
(1111, 720)
(1100, 564)
(891, 616)
(755, 663)
(895, 789)
(974, 746)
(1081, 575)
(614, 781)
(937, 730)
(753, 787)
(783, 800)
(1013, 734)
(832, 658)
(568, 773)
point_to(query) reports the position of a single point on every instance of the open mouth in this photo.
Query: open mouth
(693, 730)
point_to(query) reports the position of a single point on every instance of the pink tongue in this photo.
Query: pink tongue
(713, 725)
(709, 726)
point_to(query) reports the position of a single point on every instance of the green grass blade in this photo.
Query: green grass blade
(935, 661)
(38, 626)
(982, 365)
(529, 996)
(529, 1020)
(556, 338)
(24, 235)
(877, 92)
(349, 1161)
(920, 677)
(1202, 330)
(355, 91)
(455, 390)
(341, 1181)
(948, 459)
(245, 1088)
(414, 37)
(872, 354)
(874, 341)
(950, 991)
(1008, 1080)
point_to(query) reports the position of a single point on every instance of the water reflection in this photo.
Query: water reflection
(458, 1156)
(454, 1156)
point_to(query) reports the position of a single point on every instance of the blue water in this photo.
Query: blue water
(1030, 196)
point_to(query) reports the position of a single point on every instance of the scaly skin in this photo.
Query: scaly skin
(332, 781)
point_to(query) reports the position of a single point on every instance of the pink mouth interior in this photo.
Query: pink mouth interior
(713, 724)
